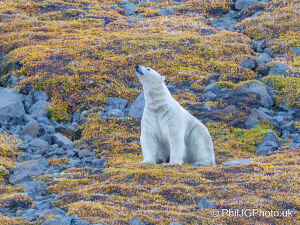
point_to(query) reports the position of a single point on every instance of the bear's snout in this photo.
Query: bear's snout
(138, 70)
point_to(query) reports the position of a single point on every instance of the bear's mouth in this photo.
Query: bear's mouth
(138, 70)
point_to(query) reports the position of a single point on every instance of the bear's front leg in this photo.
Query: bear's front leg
(149, 147)
(177, 150)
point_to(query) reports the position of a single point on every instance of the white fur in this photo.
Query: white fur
(169, 133)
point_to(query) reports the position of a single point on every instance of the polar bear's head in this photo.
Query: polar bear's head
(148, 76)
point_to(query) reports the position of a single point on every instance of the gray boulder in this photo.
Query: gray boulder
(290, 127)
(244, 4)
(166, 12)
(40, 96)
(11, 105)
(112, 112)
(279, 69)
(204, 203)
(62, 141)
(24, 170)
(39, 109)
(33, 188)
(226, 22)
(277, 121)
(266, 147)
(262, 59)
(136, 110)
(296, 51)
(118, 103)
(248, 63)
(296, 138)
(60, 220)
(260, 90)
(128, 6)
(236, 162)
(213, 88)
(251, 122)
(209, 96)
(84, 153)
(174, 223)
(32, 128)
(39, 144)
(136, 221)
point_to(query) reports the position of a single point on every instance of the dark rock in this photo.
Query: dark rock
(258, 89)
(174, 223)
(244, 4)
(32, 128)
(209, 96)
(279, 69)
(213, 88)
(266, 147)
(128, 6)
(204, 203)
(269, 51)
(30, 214)
(290, 127)
(248, 63)
(39, 109)
(40, 96)
(47, 138)
(39, 144)
(294, 145)
(60, 220)
(285, 134)
(118, 103)
(136, 221)
(112, 112)
(11, 105)
(33, 188)
(75, 117)
(62, 141)
(131, 20)
(251, 122)
(166, 12)
(270, 137)
(262, 59)
(277, 121)
(296, 138)
(99, 163)
(24, 170)
(226, 22)
(296, 51)
(44, 204)
(236, 162)
(12, 80)
(84, 153)
(136, 110)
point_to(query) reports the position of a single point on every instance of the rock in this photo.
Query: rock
(24, 170)
(11, 105)
(290, 127)
(39, 96)
(117, 113)
(270, 137)
(98, 163)
(75, 117)
(32, 128)
(33, 188)
(262, 59)
(154, 190)
(258, 89)
(136, 221)
(128, 6)
(174, 223)
(213, 88)
(269, 51)
(266, 147)
(204, 203)
(136, 110)
(30, 214)
(226, 22)
(209, 96)
(296, 51)
(62, 141)
(12, 80)
(84, 153)
(294, 145)
(39, 109)
(296, 138)
(39, 144)
(285, 134)
(206, 106)
(251, 122)
(44, 204)
(82, 114)
(60, 220)
(131, 20)
(277, 121)
(118, 103)
(248, 63)
(244, 4)
(236, 162)
(166, 12)
(279, 69)
(47, 138)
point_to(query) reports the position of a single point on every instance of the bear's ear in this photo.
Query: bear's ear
(162, 78)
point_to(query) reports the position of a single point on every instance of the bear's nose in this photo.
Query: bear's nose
(137, 67)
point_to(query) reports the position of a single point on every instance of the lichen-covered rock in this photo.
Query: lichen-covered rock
(62, 141)
(204, 203)
(136, 110)
(279, 69)
(32, 128)
(39, 108)
(244, 4)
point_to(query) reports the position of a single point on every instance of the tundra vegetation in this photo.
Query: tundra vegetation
(80, 52)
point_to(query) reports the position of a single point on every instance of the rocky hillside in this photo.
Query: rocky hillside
(70, 110)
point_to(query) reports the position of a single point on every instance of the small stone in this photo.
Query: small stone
(296, 138)
(209, 96)
(236, 162)
(204, 203)
(291, 127)
(84, 153)
(251, 122)
(32, 128)
(296, 51)
(263, 59)
(62, 141)
(248, 63)
(40, 96)
(75, 117)
(39, 109)
(166, 12)
(279, 69)
(285, 134)
(136, 221)
(154, 190)
(39, 144)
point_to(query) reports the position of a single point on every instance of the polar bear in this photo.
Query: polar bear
(169, 133)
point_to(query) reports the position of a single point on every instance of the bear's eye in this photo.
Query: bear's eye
(148, 69)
